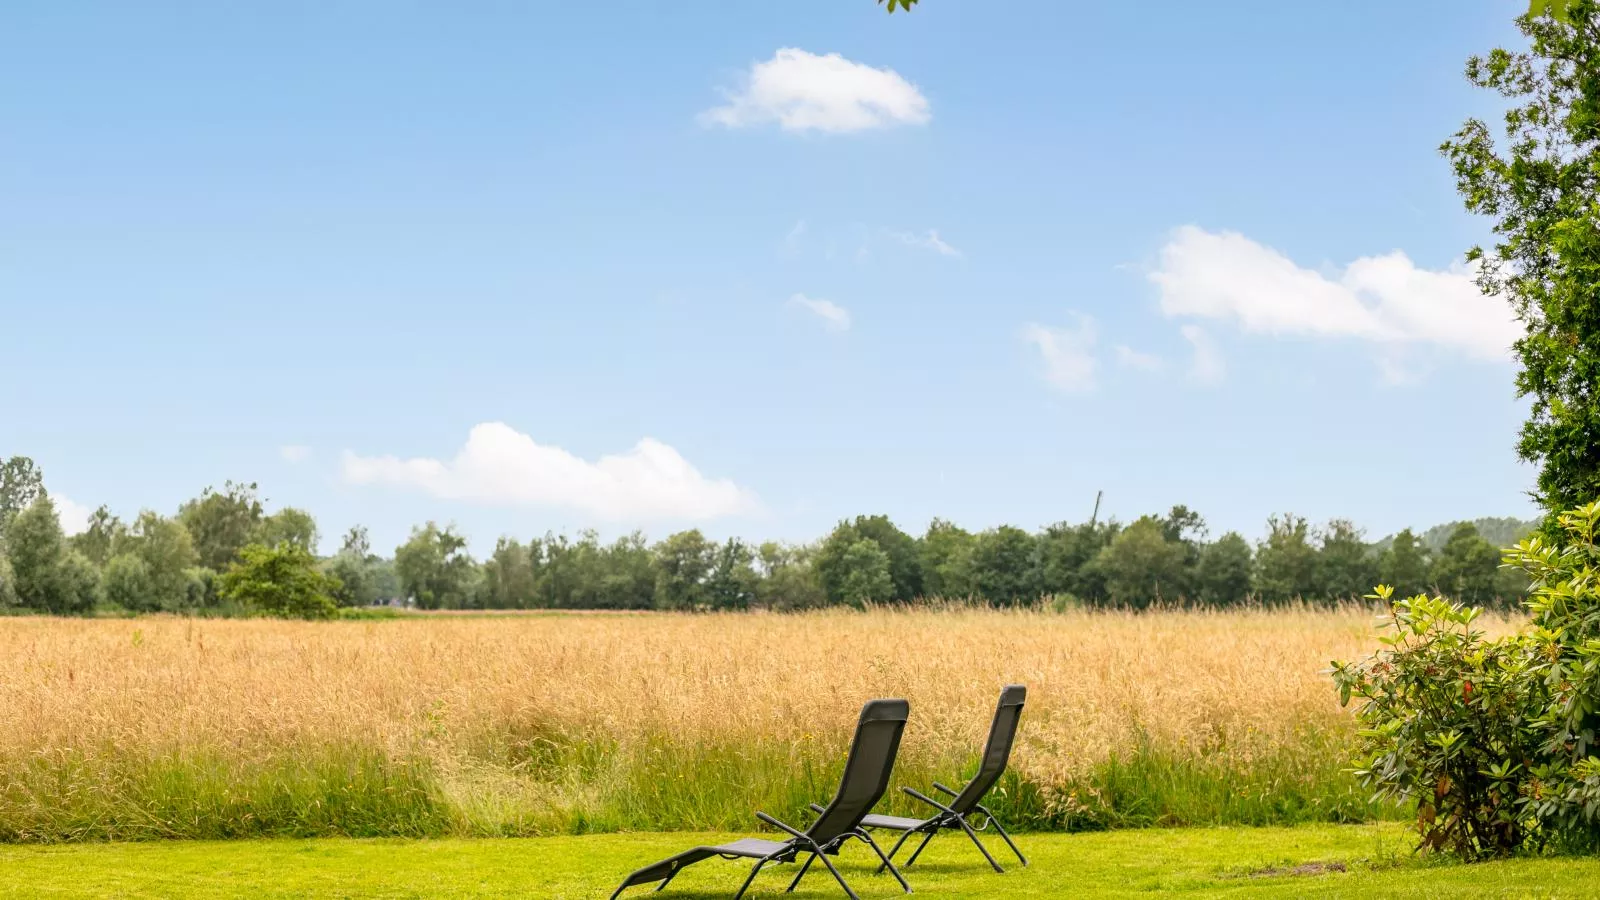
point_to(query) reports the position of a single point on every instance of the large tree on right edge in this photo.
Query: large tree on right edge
(1541, 185)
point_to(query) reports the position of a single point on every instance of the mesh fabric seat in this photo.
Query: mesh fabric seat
(865, 779)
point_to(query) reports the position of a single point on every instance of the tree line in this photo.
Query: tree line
(223, 553)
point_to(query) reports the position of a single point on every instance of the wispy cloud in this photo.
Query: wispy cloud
(1129, 358)
(1207, 366)
(294, 453)
(1067, 354)
(803, 91)
(834, 316)
(1385, 299)
(928, 241)
(500, 466)
(791, 241)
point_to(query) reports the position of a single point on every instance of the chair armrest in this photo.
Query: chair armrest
(776, 824)
(941, 787)
(913, 792)
(817, 808)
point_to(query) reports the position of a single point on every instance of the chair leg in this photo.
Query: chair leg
(1007, 838)
(673, 874)
(867, 839)
(801, 874)
(836, 876)
(981, 848)
(896, 849)
(746, 886)
(918, 852)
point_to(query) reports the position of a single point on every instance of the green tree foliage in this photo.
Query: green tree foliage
(287, 526)
(1468, 567)
(947, 567)
(1066, 559)
(788, 577)
(1347, 568)
(8, 581)
(1540, 187)
(95, 542)
(354, 569)
(279, 581)
(731, 583)
(867, 574)
(221, 523)
(168, 554)
(683, 562)
(1404, 566)
(1286, 563)
(1005, 566)
(907, 4)
(509, 579)
(1223, 575)
(47, 574)
(1142, 566)
(905, 562)
(434, 568)
(21, 483)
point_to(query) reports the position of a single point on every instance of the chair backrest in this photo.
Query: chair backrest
(1002, 733)
(866, 771)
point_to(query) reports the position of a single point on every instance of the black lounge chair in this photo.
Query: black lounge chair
(965, 803)
(866, 777)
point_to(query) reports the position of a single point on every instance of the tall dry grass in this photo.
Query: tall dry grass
(187, 728)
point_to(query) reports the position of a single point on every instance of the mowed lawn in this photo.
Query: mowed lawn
(1309, 861)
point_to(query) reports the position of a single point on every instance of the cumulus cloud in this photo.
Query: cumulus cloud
(802, 91)
(1129, 358)
(294, 453)
(74, 517)
(1383, 299)
(500, 466)
(834, 316)
(1068, 354)
(929, 241)
(1207, 366)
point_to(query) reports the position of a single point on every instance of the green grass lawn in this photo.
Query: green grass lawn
(1203, 862)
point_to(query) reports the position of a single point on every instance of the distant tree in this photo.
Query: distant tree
(279, 581)
(8, 580)
(356, 542)
(167, 550)
(1404, 565)
(1467, 569)
(905, 563)
(434, 569)
(287, 526)
(1347, 569)
(48, 575)
(1286, 563)
(128, 585)
(1538, 186)
(683, 562)
(509, 580)
(1222, 577)
(628, 574)
(1067, 555)
(947, 561)
(1005, 566)
(1142, 566)
(21, 483)
(866, 574)
(788, 577)
(95, 542)
(220, 523)
(731, 583)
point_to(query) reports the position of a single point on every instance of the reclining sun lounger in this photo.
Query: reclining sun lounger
(966, 801)
(866, 777)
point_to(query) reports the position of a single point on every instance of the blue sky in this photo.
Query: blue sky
(554, 266)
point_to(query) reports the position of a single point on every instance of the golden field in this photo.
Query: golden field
(537, 724)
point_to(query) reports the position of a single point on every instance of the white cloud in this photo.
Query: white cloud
(1069, 362)
(500, 466)
(929, 241)
(791, 241)
(294, 453)
(74, 517)
(1129, 358)
(805, 92)
(1207, 366)
(1384, 299)
(836, 317)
